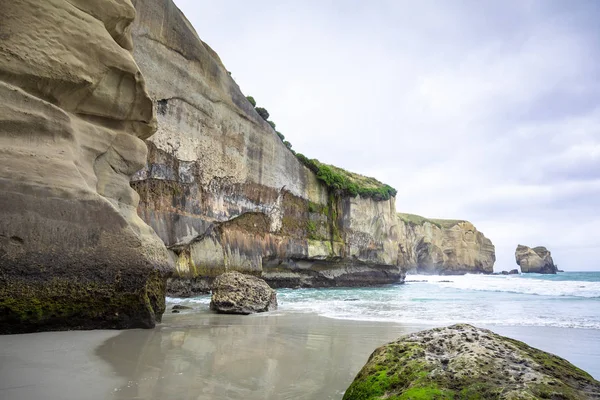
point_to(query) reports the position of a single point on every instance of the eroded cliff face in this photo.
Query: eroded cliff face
(222, 190)
(449, 247)
(74, 111)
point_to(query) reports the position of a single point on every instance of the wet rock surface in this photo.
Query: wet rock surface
(236, 293)
(465, 362)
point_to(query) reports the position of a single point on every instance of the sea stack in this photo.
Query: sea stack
(536, 260)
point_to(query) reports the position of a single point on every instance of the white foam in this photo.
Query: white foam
(513, 284)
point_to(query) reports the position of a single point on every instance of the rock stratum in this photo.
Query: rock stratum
(224, 192)
(464, 362)
(73, 116)
(535, 260)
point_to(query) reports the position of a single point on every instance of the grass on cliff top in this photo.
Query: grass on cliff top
(338, 180)
(348, 183)
(419, 220)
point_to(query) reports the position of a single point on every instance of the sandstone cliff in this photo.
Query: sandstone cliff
(438, 246)
(223, 191)
(74, 111)
(538, 260)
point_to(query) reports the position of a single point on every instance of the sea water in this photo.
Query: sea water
(567, 300)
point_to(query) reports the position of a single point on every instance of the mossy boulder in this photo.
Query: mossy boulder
(465, 362)
(237, 293)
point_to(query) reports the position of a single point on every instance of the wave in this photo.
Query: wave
(512, 284)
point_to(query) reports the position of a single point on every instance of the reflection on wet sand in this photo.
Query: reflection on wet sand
(199, 355)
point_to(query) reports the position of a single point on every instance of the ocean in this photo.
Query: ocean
(311, 348)
(566, 300)
(556, 313)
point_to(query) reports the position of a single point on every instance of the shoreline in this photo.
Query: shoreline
(201, 355)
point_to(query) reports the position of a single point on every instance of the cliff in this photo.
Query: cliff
(74, 111)
(224, 192)
(537, 260)
(438, 246)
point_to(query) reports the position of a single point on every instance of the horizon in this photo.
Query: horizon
(491, 120)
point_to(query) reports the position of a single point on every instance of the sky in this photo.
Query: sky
(487, 111)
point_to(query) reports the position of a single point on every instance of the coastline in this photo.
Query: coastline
(201, 355)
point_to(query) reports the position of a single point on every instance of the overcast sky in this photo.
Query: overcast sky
(481, 110)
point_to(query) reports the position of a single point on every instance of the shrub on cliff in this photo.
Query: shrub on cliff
(263, 113)
(271, 123)
(251, 100)
(280, 135)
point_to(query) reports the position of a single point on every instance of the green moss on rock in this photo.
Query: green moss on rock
(54, 304)
(348, 183)
(464, 362)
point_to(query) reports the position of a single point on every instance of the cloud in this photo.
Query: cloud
(487, 111)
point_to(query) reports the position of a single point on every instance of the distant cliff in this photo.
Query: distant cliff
(439, 246)
(224, 192)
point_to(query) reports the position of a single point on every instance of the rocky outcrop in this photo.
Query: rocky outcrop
(236, 293)
(462, 361)
(74, 110)
(538, 260)
(223, 191)
(438, 246)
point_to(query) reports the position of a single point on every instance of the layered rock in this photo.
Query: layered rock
(465, 362)
(438, 246)
(236, 293)
(224, 193)
(538, 260)
(74, 111)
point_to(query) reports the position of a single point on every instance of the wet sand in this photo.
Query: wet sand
(199, 355)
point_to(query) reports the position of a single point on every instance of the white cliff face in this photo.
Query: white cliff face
(73, 117)
(443, 247)
(223, 191)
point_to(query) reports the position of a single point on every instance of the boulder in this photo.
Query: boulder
(504, 272)
(236, 293)
(465, 362)
(513, 272)
(537, 259)
(74, 111)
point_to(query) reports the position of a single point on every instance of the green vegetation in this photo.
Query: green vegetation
(340, 181)
(347, 183)
(263, 113)
(414, 219)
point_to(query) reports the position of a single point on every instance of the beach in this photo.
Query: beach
(200, 355)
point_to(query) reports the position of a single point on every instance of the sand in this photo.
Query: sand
(199, 355)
